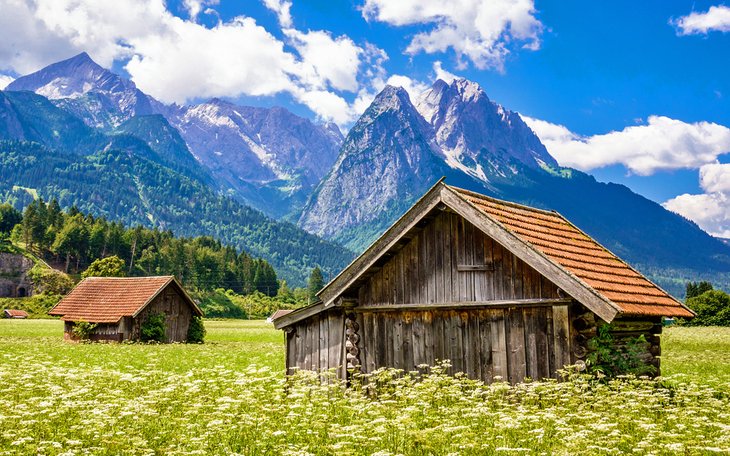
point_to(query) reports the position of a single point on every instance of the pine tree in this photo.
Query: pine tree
(695, 289)
(316, 282)
(9, 217)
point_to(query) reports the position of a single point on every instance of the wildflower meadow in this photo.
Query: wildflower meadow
(230, 396)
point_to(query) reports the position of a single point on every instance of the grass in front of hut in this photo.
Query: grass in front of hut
(229, 396)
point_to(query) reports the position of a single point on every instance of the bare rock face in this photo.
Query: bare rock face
(397, 150)
(269, 156)
(388, 159)
(476, 135)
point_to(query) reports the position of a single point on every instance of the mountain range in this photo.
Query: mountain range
(234, 159)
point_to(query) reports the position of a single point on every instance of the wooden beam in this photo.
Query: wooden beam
(464, 305)
(298, 315)
(527, 253)
(474, 267)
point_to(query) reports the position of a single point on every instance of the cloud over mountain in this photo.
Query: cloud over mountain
(661, 144)
(178, 60)
(710, 210)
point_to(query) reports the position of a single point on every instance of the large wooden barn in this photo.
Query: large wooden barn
(120, 305)
(499, 289)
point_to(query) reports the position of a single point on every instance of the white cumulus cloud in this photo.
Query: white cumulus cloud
(710, 210)
(717, 18)
(412, 86)
(179, 60)
(661, 144)
(442, 74)
(327, 60)
(479, 30)
(282, 8)
(715, 178)
(195, 7)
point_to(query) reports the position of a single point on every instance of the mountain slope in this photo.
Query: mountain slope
(29, 117)
(271, 158)
(168, 146)
(477, 135)
(268, 158)
(123, 178)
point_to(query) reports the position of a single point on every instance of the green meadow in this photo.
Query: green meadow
(230, 396)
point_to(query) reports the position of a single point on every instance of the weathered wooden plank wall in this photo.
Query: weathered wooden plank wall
(484, 343)
(452, 261)
(414, 310)
(317, 343)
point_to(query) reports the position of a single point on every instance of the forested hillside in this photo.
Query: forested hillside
(126, 187)
(73, 240)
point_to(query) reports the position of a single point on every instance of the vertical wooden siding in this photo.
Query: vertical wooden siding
(317, 343)
(452, 261)
(178, 314)
(512, 343)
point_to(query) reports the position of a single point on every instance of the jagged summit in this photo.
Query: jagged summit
(397, 149)
(102, 99)
(71, 78)
(477, 135)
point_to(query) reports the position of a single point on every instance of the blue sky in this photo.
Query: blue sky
(631, 92)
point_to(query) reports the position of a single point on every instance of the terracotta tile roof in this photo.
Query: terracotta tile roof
(14, 313)
(108, 299)
(582, 256)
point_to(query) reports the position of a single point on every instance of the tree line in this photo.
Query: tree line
(73, 240)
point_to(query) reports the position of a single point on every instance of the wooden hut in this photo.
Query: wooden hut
(120, 305)
(499, 289)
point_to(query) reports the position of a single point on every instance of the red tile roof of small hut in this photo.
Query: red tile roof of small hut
(573, 250)
(14, 313)
(108, 299)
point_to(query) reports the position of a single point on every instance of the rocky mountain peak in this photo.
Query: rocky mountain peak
(70, 78)
(79, 85)
(477, 135)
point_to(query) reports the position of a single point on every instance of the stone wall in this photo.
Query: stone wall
(14, 281)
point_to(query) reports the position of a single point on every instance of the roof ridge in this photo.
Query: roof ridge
(504, 202)
(166, 277)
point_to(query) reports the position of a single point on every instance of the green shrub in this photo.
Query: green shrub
(112, 266)
(153, 328)
(37, 306)
(611, 358)
(83, 329)
(50, 281)
(712, 309)
(196, 331)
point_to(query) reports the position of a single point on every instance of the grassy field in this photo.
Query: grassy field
(229, 396)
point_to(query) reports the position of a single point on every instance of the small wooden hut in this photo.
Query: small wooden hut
(120, 305)
(499, 289)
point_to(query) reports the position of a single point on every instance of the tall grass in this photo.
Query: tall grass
(229, 396)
